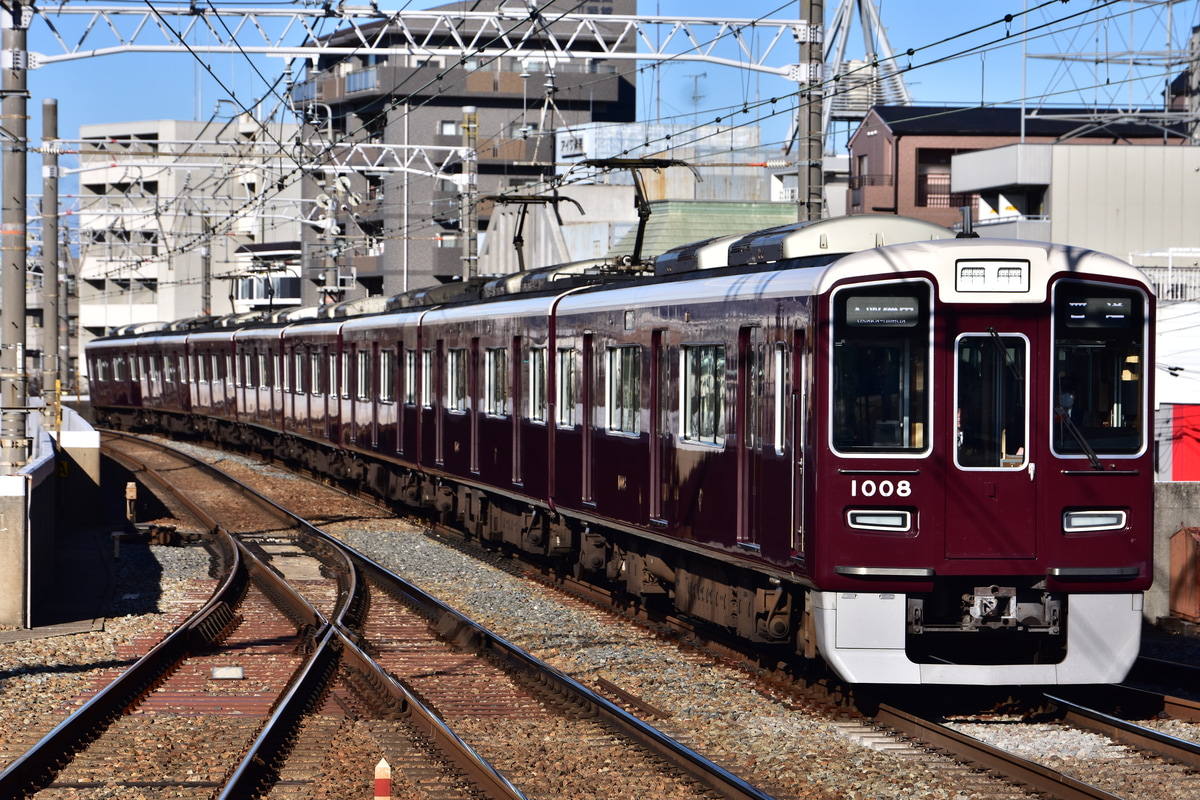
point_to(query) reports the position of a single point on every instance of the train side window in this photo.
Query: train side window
(410, 377)
(624, 389)
(880, 364)
(495, 391)
(427, 378)
(781, 396)
(298, 372)
(344, 386)
(316, 383)
(118, 371)
(363, 376)
(456, 379)
(387, 376)
(702, 394)
(537, 384)
(564, 390)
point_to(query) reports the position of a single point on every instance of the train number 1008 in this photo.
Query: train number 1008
(870, 488)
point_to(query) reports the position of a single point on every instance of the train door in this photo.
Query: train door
(517, 359)
(587, 429)
(660, 428)
(750, 388)
(436, 389)
(794, 421)
(474, 405)
(991, 495)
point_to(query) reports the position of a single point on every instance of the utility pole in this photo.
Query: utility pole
(469, 219)
(15, 444)
(810, 172)
(52, 373)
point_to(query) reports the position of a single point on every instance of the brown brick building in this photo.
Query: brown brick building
(900, 155)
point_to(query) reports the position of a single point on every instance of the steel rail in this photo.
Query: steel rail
(36, 768)
(1028, 773)
(1129, 733)
(336, 646)
(696, 766)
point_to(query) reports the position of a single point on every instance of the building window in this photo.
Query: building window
(450, 127)
(702, 394)
(495, 390)
(564, 392)
(456, 380)
(624, 389)
(537, 384)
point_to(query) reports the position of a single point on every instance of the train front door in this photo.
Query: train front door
(991, 494)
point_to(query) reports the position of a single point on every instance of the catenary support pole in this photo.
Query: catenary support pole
(14, 441)
(52, 372)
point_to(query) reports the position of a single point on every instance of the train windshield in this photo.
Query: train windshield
(1098, 391)
(881, 352)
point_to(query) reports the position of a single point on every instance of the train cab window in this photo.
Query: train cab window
(880, 364)
(990, 400)
(564, 390)
(624, 389)
(387, 376)
(495, 390)
(702, 394)
(456, 380)
(538, 401)
(410, 377)
(1097, 402)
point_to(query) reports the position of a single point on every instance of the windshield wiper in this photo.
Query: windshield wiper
(1077, 435)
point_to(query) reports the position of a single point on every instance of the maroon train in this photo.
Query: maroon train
(923, 459)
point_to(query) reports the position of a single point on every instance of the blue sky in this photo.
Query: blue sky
(949, 64)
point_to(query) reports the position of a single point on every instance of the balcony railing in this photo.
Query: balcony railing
(859, 181)
(933, 191)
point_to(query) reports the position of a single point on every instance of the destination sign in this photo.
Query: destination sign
(1098, 312)
(882, 312)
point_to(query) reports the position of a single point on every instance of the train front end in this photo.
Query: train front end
(983, 487)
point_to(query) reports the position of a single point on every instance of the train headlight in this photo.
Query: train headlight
(1091, 521)
(879, 519)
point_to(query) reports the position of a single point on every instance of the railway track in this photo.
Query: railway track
(947, 752)
(300, 602)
